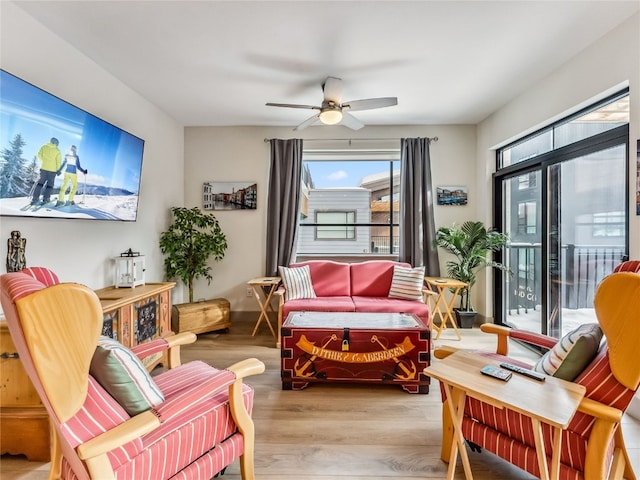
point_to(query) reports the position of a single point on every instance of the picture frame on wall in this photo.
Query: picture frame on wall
(452, 195)
(229, 195)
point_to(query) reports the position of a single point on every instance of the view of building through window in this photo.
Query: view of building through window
(349, 207)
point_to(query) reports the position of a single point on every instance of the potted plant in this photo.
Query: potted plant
(190, 240)
(471, 244)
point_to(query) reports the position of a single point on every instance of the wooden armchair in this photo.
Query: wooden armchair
(592, 445)
(111, 419)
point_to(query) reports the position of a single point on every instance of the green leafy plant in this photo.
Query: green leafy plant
(189, 242)
(470, 243)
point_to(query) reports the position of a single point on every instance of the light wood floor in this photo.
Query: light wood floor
(342, 432)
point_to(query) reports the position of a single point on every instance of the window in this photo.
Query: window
(609, 224)
(527, 218)
(349, 202)
(610, 114)
(339, 225)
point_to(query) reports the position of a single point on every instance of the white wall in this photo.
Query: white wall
(240, 154)
(601, 69)
(81, 250)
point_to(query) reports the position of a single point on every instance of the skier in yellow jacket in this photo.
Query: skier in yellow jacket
(50, 163)
(72, 162)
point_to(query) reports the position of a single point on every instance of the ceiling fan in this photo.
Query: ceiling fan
(333, 111)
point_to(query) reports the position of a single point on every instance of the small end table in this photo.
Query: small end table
(263, 288)
(444, 307)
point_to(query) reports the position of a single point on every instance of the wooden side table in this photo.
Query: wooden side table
(443, 307)
(263, 288)
(554, 402)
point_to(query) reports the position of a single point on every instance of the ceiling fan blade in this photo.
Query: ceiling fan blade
(350, 121)
(308, 122)
(291, 105)
(332, 89)
(370, 103)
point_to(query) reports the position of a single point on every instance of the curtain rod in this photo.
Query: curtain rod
(267, 140)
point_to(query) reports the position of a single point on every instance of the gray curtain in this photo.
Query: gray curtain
(418, 231)
(284, 202)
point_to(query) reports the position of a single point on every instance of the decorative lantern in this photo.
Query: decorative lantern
(129, 269)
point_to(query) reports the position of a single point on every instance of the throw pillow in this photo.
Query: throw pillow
(407, 283)
(123, 375)
(571, 355)
(297, 283)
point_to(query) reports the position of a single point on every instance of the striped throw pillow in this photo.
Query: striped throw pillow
(571, 355)
(297, 283)
(407, 283)
(122, 374)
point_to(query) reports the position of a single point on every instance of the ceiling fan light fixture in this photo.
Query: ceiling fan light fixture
(331, 117)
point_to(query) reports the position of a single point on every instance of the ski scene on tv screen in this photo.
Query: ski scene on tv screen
(59, 161)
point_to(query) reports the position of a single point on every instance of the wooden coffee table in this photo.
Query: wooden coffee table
(354, 347)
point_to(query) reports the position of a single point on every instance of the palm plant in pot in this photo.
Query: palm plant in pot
(471, 244)
(189, 242)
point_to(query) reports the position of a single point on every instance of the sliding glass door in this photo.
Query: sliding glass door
(565, 208)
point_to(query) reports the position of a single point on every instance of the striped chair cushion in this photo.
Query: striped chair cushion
(208, 422)
(510, 434)
(42, 274)
(628, 266)
(100, 412)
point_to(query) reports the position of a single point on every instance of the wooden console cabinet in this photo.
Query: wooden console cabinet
(137, 315)
(24, 423)
(131, 316)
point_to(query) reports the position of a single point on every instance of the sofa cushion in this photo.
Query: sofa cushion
(123, 375)
(407, 283)
(372, 278)
(330, 279)
(319, 304)
(297, 283)
(392, 305)
(570, 356)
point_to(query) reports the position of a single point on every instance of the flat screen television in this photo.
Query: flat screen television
(32, 121)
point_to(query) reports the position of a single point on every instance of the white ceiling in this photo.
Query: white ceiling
(212, 63)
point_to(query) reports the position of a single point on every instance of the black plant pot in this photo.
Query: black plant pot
(465, 319)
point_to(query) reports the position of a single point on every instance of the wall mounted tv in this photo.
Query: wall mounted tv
(32, 175)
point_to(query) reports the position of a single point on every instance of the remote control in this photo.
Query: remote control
(496, 372)
(523, 371)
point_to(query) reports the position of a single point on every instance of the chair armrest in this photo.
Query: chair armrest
(600, 411)
(242, 418)
(605, 427)
(444, 351)
(246, 368)
(171, 344)
(94, 451)
(504, 333)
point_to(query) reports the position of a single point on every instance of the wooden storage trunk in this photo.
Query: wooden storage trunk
(200, 317)
(354, 347)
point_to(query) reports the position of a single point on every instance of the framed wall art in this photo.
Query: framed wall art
(454, 195)
(229, 195)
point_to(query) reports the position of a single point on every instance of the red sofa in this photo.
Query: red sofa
(350, 287)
